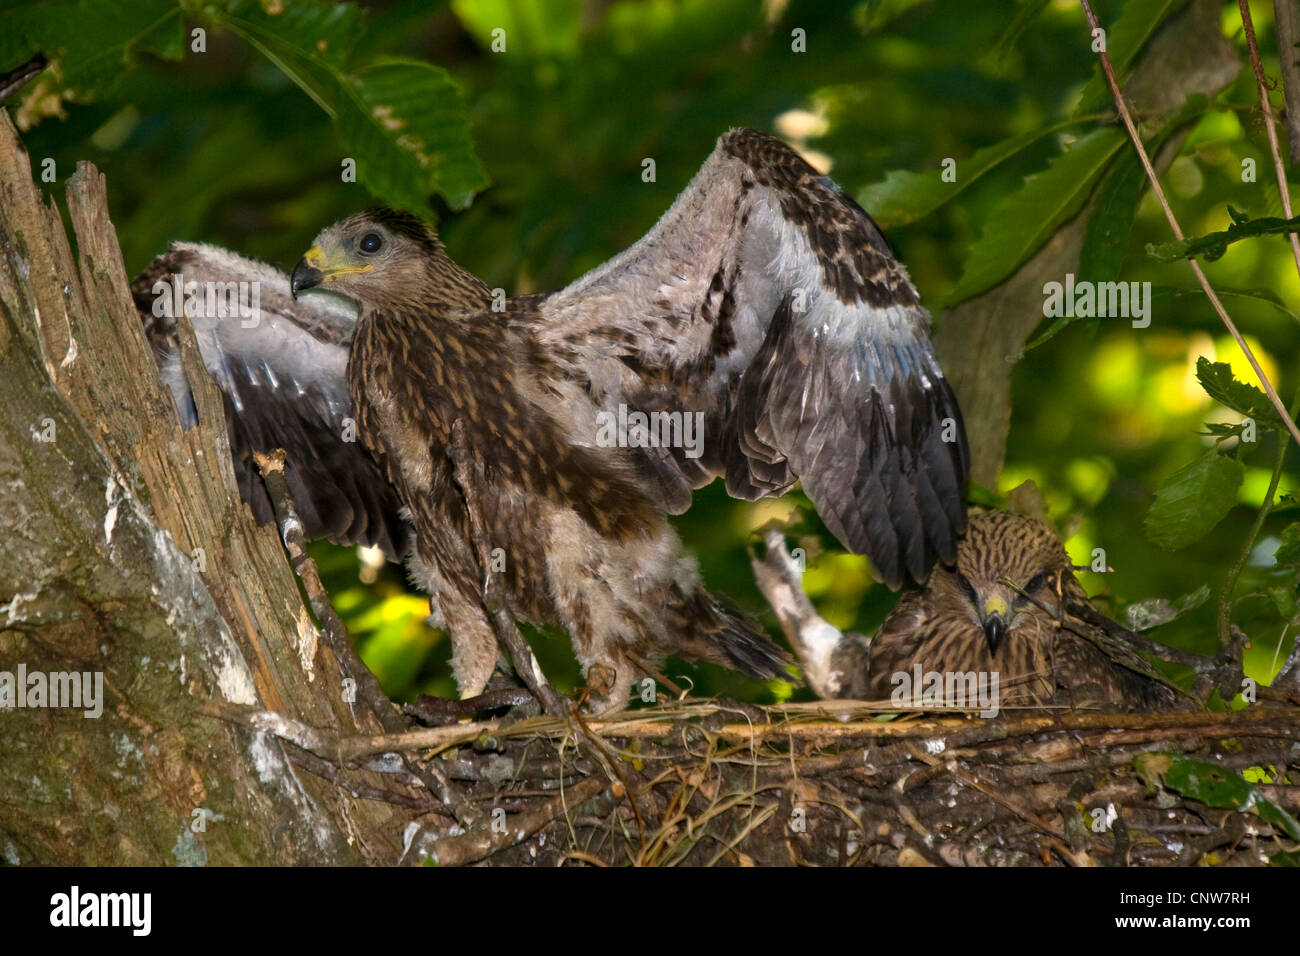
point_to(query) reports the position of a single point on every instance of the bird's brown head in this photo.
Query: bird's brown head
(1008, 569)
(388, 260)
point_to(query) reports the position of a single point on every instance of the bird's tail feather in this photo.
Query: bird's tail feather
(728, 637)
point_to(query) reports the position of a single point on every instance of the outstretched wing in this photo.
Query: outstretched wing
(281, 367)
(768, 301)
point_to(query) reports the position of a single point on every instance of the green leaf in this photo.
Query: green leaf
(1028, 12)
(1105, 242)
(1193, 500)
(1217, 380)
(1213, 785)
(1124, 40)
(324, 32)
(1214, 245)
(403, 121)
(1106, 239)
(411, 136)
(1283, 597)
(904, 196)
(88, 42)
(1026, 219)
(1288, 552)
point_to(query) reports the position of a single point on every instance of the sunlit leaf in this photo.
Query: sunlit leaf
(1217, 380)
(1193, 500)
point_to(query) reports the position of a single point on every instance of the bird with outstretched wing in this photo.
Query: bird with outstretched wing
(764, 309)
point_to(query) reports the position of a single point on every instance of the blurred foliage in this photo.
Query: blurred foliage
(542, 111)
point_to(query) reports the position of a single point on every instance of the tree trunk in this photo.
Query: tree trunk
(127, 554)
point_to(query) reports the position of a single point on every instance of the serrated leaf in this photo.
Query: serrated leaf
(1218, 381)
(1124, 40)
(1212, 246)
(904, 196)
(1153, 612)
(403, 121)
(410, 135)
(1026, 219)
(1193, 500)
(326, 32)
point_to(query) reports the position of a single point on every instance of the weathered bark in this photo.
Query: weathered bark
(126, 552)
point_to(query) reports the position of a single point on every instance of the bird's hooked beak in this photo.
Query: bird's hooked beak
(994, 618)
(312, 270)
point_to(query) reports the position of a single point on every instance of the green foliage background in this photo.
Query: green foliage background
(531, 160)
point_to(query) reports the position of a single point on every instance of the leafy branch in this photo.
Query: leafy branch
(1159, 191)
(403, 121)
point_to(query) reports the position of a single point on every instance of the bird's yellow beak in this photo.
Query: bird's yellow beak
(312, 270)
(995, 618)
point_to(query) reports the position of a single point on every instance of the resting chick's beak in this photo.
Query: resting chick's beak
(307, 274)
(994, 618)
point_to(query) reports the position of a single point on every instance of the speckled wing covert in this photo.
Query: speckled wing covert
(768, 300)
(284, 385)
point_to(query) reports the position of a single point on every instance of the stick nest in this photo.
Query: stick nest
(843, 784)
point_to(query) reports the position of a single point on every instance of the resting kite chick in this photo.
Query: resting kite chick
(996, 611)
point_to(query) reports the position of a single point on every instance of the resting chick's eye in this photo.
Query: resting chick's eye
(967, 588)
(1037, 582)
(371, 242)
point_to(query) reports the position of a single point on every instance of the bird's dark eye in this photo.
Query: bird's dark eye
(967, 588)
(1037, 582)
(371, 242)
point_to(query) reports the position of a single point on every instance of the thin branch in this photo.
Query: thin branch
(1267, 109)
(16, 79)
(1284, 25)
(1178, 232)
(1230, 582)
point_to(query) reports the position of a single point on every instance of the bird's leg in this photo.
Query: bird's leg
(349, 662)
(494, 597)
